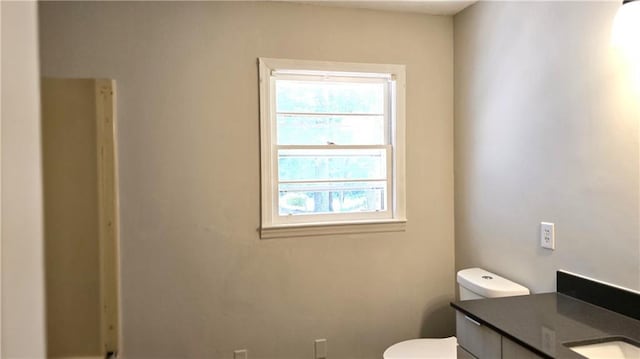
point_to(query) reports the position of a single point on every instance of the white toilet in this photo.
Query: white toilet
(474, 283)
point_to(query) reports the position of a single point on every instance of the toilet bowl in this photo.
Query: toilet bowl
(474, 283)
(423, 349)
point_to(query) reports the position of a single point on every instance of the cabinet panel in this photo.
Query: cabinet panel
(463, 354)
(512, 350)
(477, 339)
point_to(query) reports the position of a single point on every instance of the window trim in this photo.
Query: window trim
(268, 67)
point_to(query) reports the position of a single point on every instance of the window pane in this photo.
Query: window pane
(343, 197)
(340, 130)
(333, 164)
(329, 97)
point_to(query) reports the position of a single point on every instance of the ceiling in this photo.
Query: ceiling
(433, 7)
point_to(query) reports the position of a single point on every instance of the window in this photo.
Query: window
(332, 147)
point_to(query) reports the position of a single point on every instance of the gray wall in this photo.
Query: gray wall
(23, 321)
(546, 129)
(196, 279)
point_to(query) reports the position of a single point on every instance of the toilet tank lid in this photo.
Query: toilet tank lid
(489, 285)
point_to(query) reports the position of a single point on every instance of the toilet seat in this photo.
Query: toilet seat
(444, 348)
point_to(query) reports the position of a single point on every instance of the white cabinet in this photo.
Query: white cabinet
(476, 340)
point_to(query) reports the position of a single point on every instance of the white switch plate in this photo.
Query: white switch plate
(547, 235)
(240, 354)
(320, 349)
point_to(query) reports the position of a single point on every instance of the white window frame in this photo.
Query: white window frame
(394, 219)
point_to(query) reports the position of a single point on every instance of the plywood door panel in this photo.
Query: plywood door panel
(80, 216)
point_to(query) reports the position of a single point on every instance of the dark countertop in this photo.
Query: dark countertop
(544, 322)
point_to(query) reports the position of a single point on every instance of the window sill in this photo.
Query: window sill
(321, 229)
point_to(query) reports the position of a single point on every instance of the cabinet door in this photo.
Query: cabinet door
(463, 354)
(512, 350)
(477, 339)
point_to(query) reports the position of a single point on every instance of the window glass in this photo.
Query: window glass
(331, 164)
(329, 97)
(334, 197)
(323, 129)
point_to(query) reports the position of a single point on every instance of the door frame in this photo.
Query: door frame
(108, 210)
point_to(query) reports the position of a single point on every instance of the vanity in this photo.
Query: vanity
(583, 319)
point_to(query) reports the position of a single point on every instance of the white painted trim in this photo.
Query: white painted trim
(266, 89)
(80, 357)
(333, 147)
(329, 74)
(399, 144)
(319, 229)
(331, 66)
(330, 114)
(273, 225)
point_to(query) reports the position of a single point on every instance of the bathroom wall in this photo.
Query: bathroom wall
(546, 129)
(23, 320)
(197, 282)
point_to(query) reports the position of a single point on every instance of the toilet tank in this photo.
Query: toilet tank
(477, 283)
